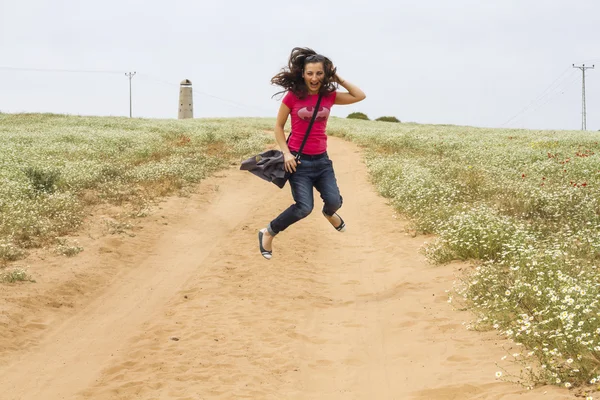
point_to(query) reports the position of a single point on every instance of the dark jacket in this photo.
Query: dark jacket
(267, 165)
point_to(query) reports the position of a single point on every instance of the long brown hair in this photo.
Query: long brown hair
(290, 78)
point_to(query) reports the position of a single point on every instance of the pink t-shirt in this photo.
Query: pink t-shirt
(301, 111)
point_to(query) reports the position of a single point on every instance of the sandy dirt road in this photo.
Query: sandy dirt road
(188, 309)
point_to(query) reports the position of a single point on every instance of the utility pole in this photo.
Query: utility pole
(130, 75)
(583, 113)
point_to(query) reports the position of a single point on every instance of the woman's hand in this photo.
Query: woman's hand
(289, 162)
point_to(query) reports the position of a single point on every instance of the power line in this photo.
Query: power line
(559, 90)
(130, 76)
(204, 94)
(85, 71)
(583, 113)
(562, 89)
(60, 70)
(551, 90)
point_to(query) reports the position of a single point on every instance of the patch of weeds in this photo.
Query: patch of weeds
(10, 252)
(117, 227)
(42, 181)
(15, 275)
(68, 249)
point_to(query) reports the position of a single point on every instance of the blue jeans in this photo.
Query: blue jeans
(311, 172)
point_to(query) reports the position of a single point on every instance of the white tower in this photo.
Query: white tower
(186, 102)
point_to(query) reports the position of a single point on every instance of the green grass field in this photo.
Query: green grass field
(522, 206)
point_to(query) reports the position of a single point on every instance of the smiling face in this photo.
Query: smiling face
(313, 76)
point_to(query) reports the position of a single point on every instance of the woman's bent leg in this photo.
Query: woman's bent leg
(327, 186)
(302, 192)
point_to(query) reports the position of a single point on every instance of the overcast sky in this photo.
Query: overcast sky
(494, 63)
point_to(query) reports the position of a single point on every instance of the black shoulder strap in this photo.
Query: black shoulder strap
(312, 121)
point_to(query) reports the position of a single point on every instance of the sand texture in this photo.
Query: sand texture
(182, 306)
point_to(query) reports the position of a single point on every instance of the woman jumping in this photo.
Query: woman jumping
(308, 75)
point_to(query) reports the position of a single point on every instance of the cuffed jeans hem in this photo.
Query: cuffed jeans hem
(330, 209)
(270, 230)
(327, 215)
